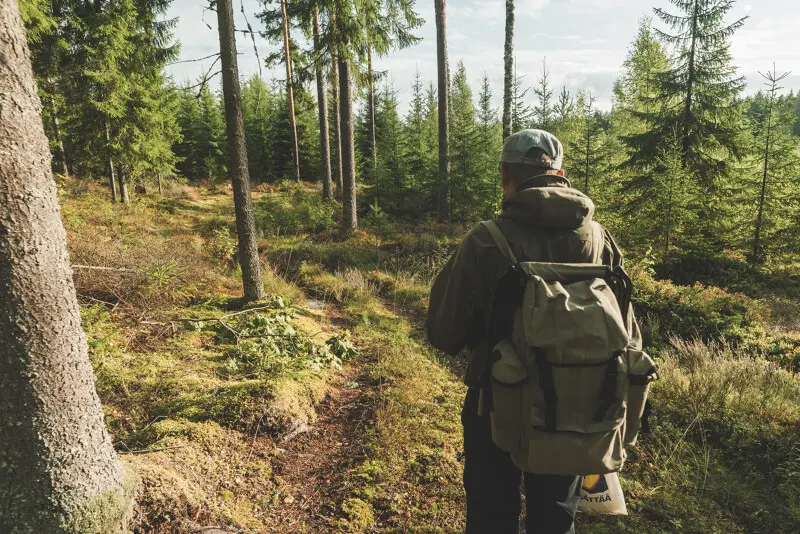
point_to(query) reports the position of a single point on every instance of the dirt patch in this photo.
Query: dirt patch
(311, 466)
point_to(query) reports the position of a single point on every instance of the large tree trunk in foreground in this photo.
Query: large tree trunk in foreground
(322, 107)
(444, 122)
(350, 220)
(290, 90)
(58, 471)
(237, 156)
(508, 62)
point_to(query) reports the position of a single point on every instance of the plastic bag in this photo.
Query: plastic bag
(602, 494)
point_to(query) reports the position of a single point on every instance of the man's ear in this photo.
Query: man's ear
(560, 172)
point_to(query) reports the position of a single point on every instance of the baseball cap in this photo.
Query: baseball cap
(518, 146)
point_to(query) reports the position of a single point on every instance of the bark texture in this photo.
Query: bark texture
(237, 156)
(350, 219)
(322, 107)
(58, 471)
(444, 106)
(287, 52)
(508, 62)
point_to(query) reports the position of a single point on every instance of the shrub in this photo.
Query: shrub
(697, 311)
(295, 212)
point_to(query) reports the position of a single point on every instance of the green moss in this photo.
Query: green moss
(358, 515)
(108, 513)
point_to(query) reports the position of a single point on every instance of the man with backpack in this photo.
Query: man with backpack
(550, 347)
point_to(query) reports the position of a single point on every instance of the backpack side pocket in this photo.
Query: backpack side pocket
(508, 379)
(642, 371)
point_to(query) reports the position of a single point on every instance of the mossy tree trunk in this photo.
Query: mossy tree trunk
(237, 156)
(59, 473)
(337, 125)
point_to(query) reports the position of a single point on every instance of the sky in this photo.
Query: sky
(584, 42)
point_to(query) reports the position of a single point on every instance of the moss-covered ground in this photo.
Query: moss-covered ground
(202, 412)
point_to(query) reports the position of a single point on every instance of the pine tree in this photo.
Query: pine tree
(776, 206)
(521, 113)
(490, 141)
(237, 155)
(463, 146)
(259, 113)
(543, 110)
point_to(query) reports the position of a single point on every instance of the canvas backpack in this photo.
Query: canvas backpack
(568, 386)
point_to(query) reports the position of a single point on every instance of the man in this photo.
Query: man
(544, 220)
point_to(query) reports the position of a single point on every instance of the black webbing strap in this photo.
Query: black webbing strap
(608, 390)
(548, 387)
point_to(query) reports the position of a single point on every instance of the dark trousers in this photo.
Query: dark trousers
(492, 484)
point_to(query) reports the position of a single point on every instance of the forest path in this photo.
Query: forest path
(312, 465)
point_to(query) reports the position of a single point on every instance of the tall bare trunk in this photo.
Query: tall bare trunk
(62, 154)
(322, 107)
(350, 219)
(124, 192)
(112, 176)
(508, 62)
(237, 156)
(337, 125)
(372, 141)
(59, 473)
(290, 90)
(444, 122)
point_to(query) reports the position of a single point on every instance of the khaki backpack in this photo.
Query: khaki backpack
(568, 387)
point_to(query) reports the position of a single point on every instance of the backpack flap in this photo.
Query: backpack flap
(565, 273)
(642, 371)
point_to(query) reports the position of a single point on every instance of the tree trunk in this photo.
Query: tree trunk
(124, 193)
(444, 126)
(62, 155)
(59, 473)
(371, 125)
(322, 107)
(758, 250)
(508, 62)
(237, 156)
(337, 124)
(350, 219)
(289, 89)
(112, 177)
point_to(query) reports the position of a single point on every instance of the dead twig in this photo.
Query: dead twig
(102, 268)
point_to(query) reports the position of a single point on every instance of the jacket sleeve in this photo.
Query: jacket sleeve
(454, 314)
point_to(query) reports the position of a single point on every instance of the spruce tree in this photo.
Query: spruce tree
(698, 93)
(543, 110)
(463, 146)
(490, 141)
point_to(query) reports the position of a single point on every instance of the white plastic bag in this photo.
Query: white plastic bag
(602, 494)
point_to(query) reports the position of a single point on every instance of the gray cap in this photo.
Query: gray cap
(517, 147)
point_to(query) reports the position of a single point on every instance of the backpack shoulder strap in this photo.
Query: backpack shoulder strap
(500, 240)
(598, 242)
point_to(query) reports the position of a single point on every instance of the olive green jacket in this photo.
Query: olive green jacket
(546, 220)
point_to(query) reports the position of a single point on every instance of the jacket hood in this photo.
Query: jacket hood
(549, 201)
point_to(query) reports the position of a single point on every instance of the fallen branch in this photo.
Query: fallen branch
(101, 268)
(148, 451)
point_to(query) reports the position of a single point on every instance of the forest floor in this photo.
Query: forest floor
(322, 409)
